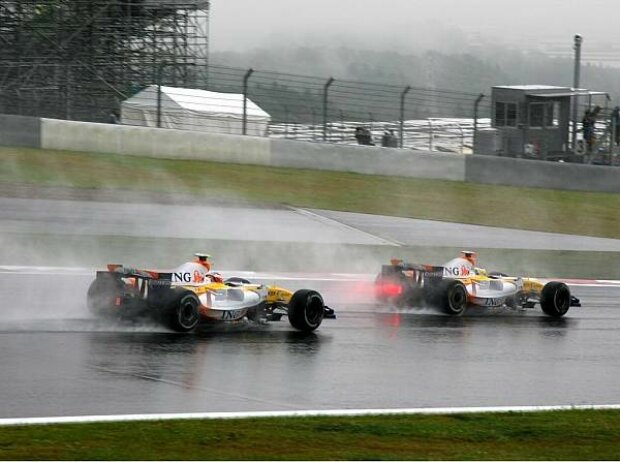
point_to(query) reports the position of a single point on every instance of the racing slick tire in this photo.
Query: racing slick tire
(452, 297)
(306, 310)
(102, 295)
(555, 299)
(180, 313)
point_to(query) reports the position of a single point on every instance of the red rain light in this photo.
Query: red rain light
(390, 290)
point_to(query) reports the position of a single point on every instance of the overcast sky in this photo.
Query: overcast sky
(244, 24)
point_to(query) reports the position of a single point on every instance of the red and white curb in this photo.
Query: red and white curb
(301, 413)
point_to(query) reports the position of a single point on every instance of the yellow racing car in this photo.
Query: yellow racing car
(191, 294)
(459, 284)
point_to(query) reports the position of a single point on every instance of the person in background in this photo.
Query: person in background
(393, 142)
(615, 123)
(368, 137)
(363, 136)
(385, 139)
(114, 117)
(588, 124)
(359, 135)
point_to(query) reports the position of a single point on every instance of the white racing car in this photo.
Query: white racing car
(182, 298)
(459, 284)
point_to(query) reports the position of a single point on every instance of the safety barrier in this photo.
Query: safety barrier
(541, 174)
(367, 160)
(153, 142)
(20, 131)
(184, 144)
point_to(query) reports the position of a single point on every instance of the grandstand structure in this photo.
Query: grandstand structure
(77, 59)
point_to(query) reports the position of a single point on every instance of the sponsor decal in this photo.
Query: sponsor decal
(457, 271)
(198, 278)
(493, 301)
(231, 315)
(195, 277)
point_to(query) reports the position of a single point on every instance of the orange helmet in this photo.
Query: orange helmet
(469, 256)
(203, 259)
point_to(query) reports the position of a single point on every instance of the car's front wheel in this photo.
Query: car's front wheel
(555, 299)
(306, 310)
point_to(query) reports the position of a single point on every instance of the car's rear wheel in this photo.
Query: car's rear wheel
(306, 310)
(452, 297)
(181, 311)
(555, 299)
(103, 295)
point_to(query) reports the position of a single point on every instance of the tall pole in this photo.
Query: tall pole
(159, 73)
(325, 88)
(244, 123)
(402, 114)
(476, 104)
(576, 77)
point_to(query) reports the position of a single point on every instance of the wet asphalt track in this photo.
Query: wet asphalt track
(212, 221)
(57, 361)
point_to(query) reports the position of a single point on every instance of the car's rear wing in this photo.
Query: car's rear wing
(417, 272)
(126, 272)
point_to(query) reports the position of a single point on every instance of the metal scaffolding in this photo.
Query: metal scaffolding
(62, 58)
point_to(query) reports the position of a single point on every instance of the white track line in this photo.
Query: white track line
(301, 413)
(268, 275)
(335, 223)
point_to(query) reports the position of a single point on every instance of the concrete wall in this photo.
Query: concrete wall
(20, 131)
(181, 144)
(541, 174)
(184, 144)
(367, 159)
(153, 142)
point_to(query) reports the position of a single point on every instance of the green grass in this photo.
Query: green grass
(593, 214)
(561, 435)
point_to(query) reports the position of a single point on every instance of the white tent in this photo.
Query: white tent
(189, 109)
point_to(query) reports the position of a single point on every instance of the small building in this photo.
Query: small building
(531, 121)
(191, 109)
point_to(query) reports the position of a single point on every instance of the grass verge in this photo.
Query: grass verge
(593, 214)
(561, 435)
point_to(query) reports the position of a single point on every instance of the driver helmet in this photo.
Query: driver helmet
(481, 272)
(216, 277)
(203, 260)
(469, 256)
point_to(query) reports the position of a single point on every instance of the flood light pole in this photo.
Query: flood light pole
(576, 77)
(325, 88)
(244, 123)
(476, 104)
(402, 113)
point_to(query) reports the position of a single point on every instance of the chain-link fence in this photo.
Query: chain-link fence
(297, 107)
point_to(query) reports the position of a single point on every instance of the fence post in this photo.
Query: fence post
(244, 123)
(402, 114)
(473, 137)
(325, 88)
(159, 96)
